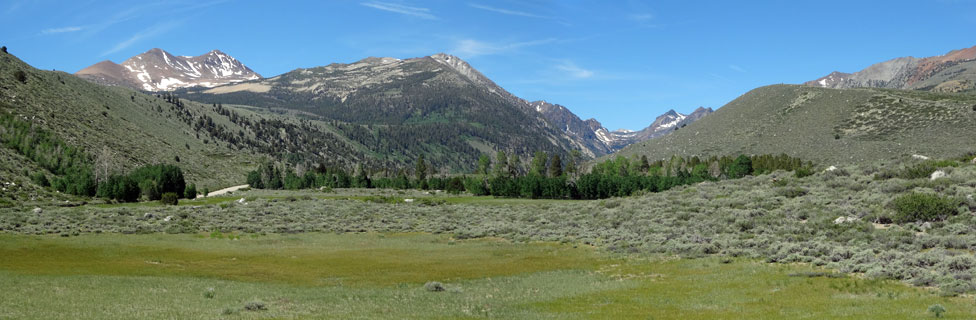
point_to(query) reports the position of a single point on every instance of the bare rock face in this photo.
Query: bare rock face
(593, 133)
(951, 72)
(158, 70)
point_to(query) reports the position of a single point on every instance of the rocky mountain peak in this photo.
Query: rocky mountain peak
(907, 73)
(158, 70)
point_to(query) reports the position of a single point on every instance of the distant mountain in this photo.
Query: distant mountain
(438, 106)
(130, 127)
(583, 132)
(952, 72)
(828, 126)
(158, 70)
(592, 133)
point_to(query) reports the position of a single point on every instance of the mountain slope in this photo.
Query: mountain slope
(952, 72)
(584, 132)
(829, 126)
(214, 145)
(158, 70)
(438, 106)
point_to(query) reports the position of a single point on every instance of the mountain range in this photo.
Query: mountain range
(952, 72)
(385, 112)
(347, 92)
(594, 134)
(158, 70)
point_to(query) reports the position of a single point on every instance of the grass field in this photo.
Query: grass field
(374, 275)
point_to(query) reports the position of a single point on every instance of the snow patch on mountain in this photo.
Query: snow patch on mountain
(158, 70)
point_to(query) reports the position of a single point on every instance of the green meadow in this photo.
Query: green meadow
(388, 275)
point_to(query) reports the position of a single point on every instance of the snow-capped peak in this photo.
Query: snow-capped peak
(158, 70)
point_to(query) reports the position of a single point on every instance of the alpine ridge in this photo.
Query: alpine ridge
(592, 133)
(952, 72)
(158, 70)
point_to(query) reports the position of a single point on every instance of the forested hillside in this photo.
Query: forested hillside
(435, 106)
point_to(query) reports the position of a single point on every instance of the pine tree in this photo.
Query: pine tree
(571, 167)
(538, 167)
(421, 168)
(513, 165)
(555, 167)
(501, 164)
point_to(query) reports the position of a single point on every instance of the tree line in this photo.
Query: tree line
(544, 177)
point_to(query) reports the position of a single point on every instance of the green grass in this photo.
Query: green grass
(304, 260)
(708, 289)
(111, 276)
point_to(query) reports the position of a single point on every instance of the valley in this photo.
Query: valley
(361, 177)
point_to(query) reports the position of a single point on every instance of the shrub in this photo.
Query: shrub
(804, 171)
(40, 179)
(793, 192)
(21, 76)
(434, 286)
(431, 201)
(210, 293)
(919, 171)
(937, 310)
(190, 192)
(919, 207)
(255, 306)
(169, 198)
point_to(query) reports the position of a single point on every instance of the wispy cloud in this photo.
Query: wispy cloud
(61, 30)
(507, 11)
(573, 70)
(142, 10)
(737, 68)
(147, 33)
(418, 12)
(468, 48)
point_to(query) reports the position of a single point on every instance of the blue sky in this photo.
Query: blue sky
(622, 62)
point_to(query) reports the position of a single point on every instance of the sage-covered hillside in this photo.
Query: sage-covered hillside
(116, 129)
(828, 126)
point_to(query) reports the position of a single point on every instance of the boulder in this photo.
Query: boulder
(841, 220)
(919, 157)
(937, 175)
(38, 210)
